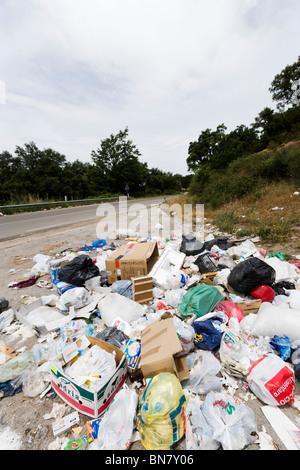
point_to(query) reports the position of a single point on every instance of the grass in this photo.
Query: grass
(253, 214)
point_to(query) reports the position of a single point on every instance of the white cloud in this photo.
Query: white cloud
(76, 72)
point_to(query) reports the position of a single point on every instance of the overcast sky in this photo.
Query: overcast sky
(74, 72)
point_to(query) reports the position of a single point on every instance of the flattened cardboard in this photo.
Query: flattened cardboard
(131, 260)
(159, 346)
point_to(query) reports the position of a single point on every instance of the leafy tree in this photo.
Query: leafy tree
(206, 147)
(282, 85)
(118, 161)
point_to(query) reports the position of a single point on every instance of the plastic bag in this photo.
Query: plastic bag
(208, 333)
(198, 431)
(272, 380)
(123, 287)
(174, 297)
(199, 300)
(78, 270)
(279, 320)
(190, 245)
(93, 368)
(113, 336)
(235, 354)
(282, 345)
(78, 297)
(116, 427)
(185, 334)
(202, 377)
(230, 309)
(233, 422)
(113, 305)
(161, 412)
(251, 273)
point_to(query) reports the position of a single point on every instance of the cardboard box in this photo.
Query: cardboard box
(251, 306)
(80, 397)
(159, 346)
(131, 260)
(142, 288)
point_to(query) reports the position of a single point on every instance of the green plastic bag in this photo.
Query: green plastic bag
(199, 300)
(161, 412)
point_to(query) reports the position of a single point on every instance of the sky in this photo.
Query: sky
(74, 72)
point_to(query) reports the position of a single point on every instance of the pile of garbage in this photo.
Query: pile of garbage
(152, 339)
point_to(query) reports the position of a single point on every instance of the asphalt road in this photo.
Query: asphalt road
(27, 223)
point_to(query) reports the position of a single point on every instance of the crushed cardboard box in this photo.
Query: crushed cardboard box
(159, 346)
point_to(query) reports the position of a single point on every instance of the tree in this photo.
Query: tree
(118, 161)
(282, 88)
(206, 147)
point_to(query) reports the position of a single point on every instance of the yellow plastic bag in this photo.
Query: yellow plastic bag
(161, 412)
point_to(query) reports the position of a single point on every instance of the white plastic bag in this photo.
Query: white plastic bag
(93, 368)
(77, 297)
(233, 422)
(198, 432)
(41, 266)
(272, 380)
(117, 425)
(114, 305)
(185, 334)
(274, 320)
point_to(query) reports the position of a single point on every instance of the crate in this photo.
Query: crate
(142, 288)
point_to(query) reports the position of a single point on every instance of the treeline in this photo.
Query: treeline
(221, 161)
(47, 174)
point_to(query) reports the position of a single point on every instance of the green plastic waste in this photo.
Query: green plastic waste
(199, 300)
(277, 255)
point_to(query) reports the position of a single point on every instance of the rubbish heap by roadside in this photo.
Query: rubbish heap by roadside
(158, 340)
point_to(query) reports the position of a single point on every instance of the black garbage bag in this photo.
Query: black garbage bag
(78, 270)
(191, 246)
(251, 273)
(280, 287)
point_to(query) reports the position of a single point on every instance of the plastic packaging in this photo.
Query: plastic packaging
(208, 333)
(190, 245)
(199, 300)
(185, 334)
(78, 270)
(279, 320)
(265, 293)
(113, 305)
(161, 412)
(116, 427)
(282, 345)
(77, 298)
(230, 309)
(203, 374)
(272, 380)
(233, 422)
(198, 431)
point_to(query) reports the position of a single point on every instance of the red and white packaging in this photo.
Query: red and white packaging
(272, 380)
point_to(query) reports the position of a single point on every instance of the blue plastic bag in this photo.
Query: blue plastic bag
(207, 333)
(282, 345)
